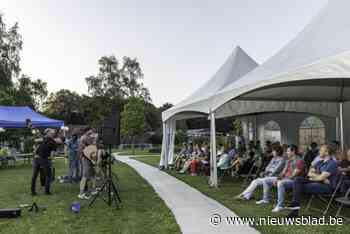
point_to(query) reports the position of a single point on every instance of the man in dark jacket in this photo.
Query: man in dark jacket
(42, 159)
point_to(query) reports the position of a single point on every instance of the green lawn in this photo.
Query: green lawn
(231, 187)
(142, 211)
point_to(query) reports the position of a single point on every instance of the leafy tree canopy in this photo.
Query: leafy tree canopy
(118, 80)
(133, 118)
(10, 47)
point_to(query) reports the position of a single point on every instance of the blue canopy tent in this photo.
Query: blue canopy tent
(16, 116)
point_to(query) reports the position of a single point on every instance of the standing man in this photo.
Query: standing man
(72, 145)
(87, 169)
(42, 159)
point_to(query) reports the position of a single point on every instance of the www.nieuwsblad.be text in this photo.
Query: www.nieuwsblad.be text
(216, 220)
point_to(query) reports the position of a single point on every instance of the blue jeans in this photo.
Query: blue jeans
(73, 173)
(267, 184)
(303, 185)
(282, 186)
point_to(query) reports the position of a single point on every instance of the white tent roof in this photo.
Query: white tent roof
(237, 65)
(315, 66)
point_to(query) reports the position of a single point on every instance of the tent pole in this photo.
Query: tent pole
(341, 120)
(213, 168)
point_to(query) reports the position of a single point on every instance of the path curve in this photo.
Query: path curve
(191, 208)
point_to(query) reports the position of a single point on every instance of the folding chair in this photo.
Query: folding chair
(327, 198)
(227, 171)
(344, 201)
(250, 174)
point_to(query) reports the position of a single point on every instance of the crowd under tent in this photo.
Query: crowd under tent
(197, 104)
(309, 75)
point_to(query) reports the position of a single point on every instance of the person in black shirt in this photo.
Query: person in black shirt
(42, 159)
(344, 168)
(311, 154)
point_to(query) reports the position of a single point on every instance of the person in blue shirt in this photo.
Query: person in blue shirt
(72, 145)
(321, 179)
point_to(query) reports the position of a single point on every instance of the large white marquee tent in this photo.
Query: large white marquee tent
(309, 75)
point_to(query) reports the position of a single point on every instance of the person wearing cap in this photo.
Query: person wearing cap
(42, 159)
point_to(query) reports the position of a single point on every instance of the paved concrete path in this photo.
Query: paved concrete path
(192, 209)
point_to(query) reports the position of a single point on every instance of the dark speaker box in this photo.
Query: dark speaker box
(110, 128)
(10, 213)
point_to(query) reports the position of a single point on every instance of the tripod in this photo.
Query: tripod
(108, 185)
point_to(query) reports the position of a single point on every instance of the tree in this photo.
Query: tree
(64, 105)
(165, 106)
(133, 119)
(153, 117)
(96, 109)
(118, 81)
(10, 47)
(30, 92)
(7, 97)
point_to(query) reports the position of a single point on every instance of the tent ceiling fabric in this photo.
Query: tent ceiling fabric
(320, 52)
(244, 107)
(237, 65)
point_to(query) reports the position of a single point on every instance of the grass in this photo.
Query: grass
(142, 211)
(231, 187)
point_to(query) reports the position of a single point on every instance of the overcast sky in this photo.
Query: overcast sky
(179, 44)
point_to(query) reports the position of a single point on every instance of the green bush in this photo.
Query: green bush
(4, 152)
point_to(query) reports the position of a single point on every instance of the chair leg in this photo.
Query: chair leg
(339, 209)
(309, 203)
(328, 206)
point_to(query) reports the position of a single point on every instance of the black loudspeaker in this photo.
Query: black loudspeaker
(110, 128)
(10, 213)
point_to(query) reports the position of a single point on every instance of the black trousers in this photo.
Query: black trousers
(43, 165)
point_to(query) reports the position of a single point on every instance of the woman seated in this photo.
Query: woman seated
(224, 162)
(181, 157)
(344, 168)
(205, 161)
(195, 158)
(243, 163)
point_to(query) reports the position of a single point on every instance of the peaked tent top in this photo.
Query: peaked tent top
(16, 116)
(320, 52)
(237, 65)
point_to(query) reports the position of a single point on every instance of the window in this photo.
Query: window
(272, 132)
(312, 129)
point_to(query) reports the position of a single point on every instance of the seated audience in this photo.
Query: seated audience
(194, 158)
(205, 161)
(311, 154)
(257, 159)
(272, 170)
(293, 167)
(321, 179)
(220, 150)
(180, 158)
(267, 155)
(344, 168)
(224, 162)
